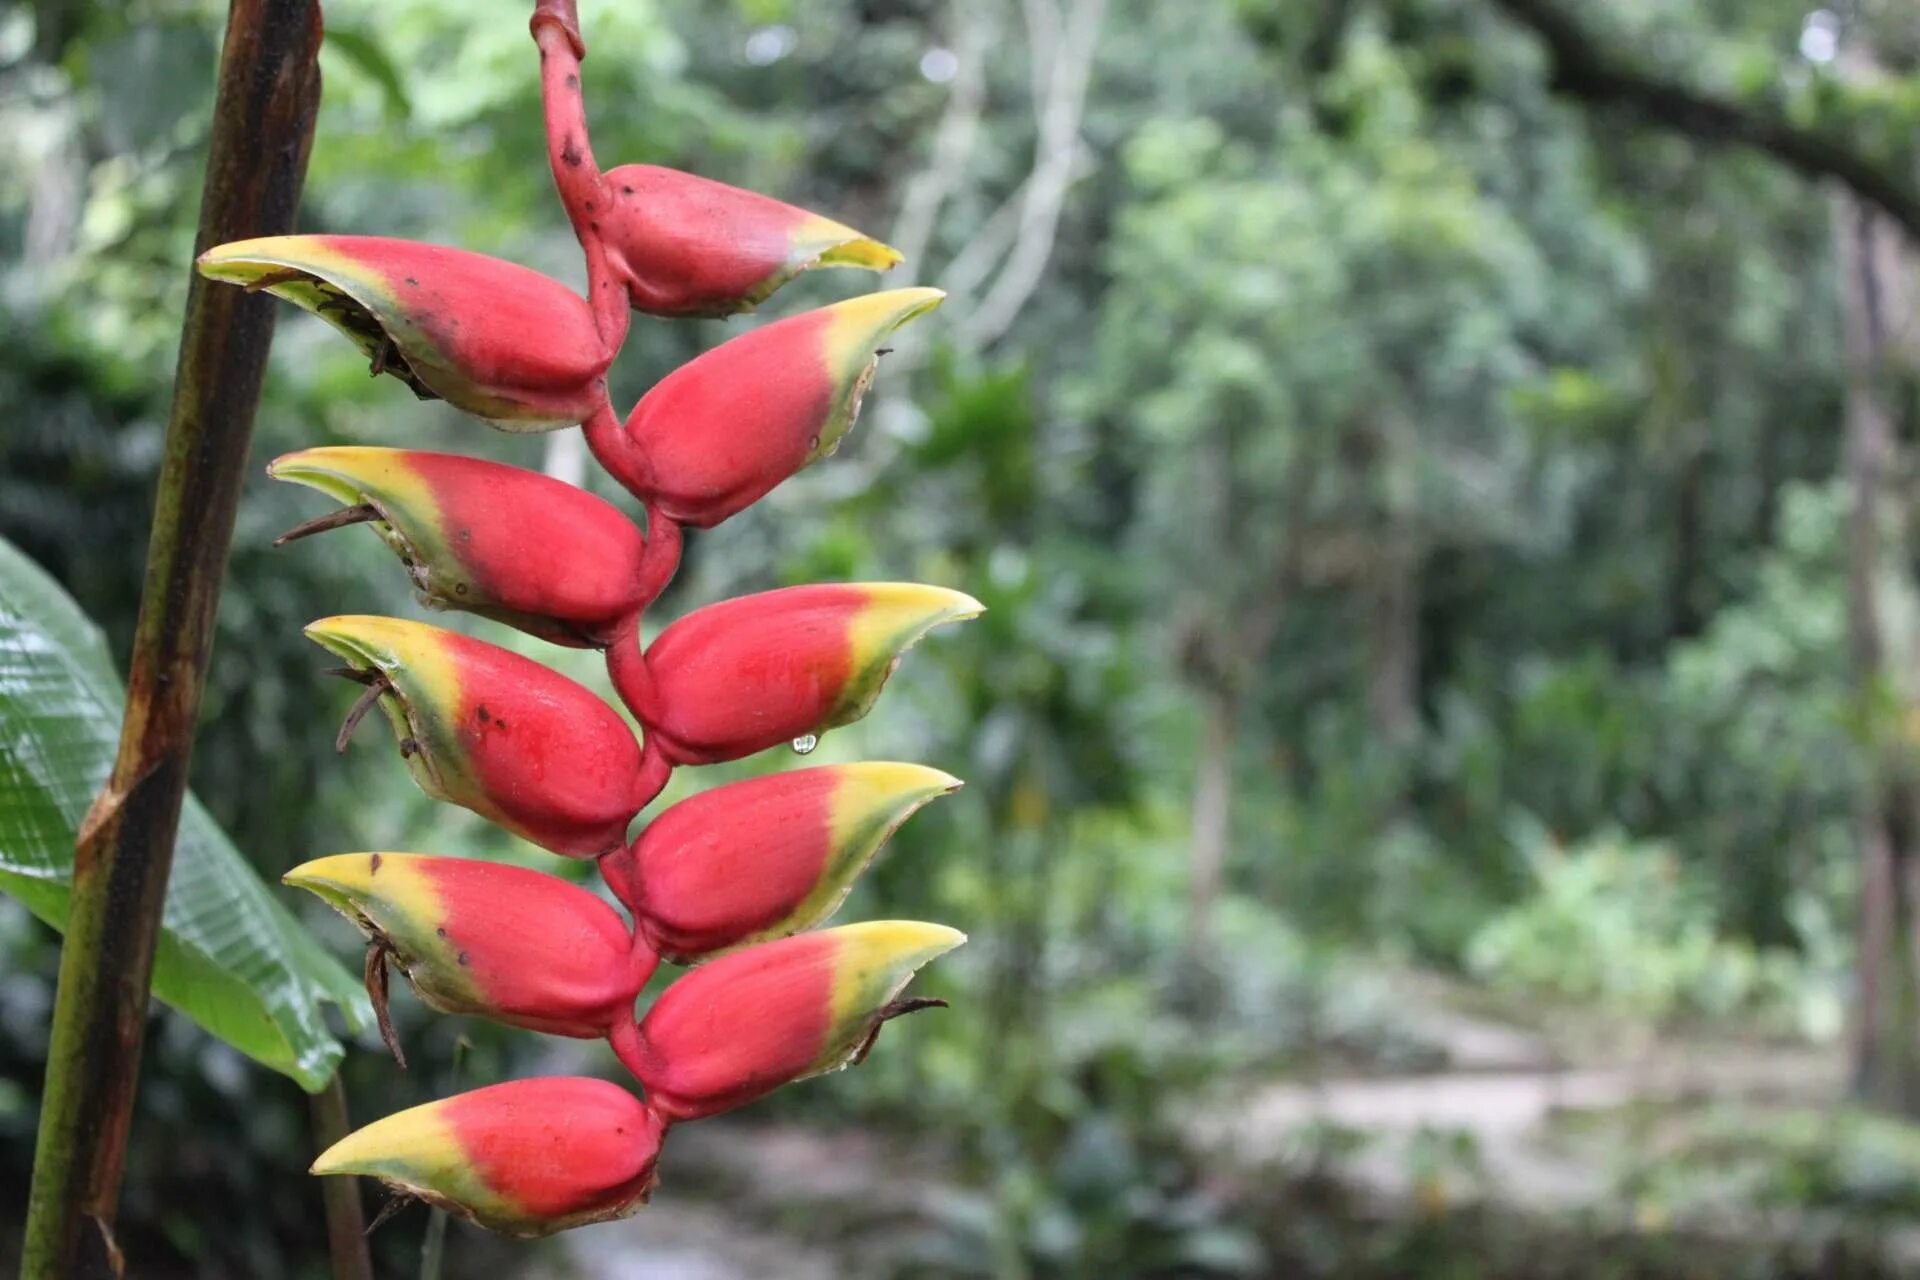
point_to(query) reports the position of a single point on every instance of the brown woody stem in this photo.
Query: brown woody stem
(361, 514)
(346, 1229)
(377, 993)
(396, 1202)
(264, 108)
(378, 687)
(898, 1009)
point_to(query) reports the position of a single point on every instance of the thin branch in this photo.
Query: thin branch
(1062, 57)
(953, 140)
(1584, 69)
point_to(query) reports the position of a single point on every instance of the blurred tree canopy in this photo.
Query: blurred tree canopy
(1400, 442)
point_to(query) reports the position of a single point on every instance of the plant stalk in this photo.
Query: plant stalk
(268, 95)
(346, 1221)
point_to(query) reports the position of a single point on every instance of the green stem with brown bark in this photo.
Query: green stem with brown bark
(268, 95)
(346, 1221)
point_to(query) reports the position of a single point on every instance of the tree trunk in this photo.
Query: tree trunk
(1392, 642)
(1212, 814)
(269, 92)
(1885, 1035)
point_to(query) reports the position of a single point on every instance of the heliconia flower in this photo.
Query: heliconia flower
(495, 339)
(690, 246)
(716, 434)
(767, 857)
(747, 1023)
(527, 1158)
(496, 941)
(483, 727)
(513, 545)
(743, 675)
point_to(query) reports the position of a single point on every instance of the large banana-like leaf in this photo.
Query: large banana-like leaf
(231, 958)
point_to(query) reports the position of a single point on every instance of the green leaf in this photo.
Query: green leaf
(230, 957)
(365, 54)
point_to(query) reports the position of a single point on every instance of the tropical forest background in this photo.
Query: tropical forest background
(1442, 795)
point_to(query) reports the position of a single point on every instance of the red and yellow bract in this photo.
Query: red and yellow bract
(482, 727)
(766, 857)
(746, 674)
(527, 1158)
(468, 531)
(741, 1026)
(496, 339)
(718, 433)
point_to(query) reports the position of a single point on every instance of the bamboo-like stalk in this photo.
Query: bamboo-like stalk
(269, 93)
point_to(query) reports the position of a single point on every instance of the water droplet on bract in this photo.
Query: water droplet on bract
(805, 743)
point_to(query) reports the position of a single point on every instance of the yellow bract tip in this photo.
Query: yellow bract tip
(406, 1148)
(862, 252)
(897, 944)
(342, 472)
(928, 605)
(886, 780)
(374, 641)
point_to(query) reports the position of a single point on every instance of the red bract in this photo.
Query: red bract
(672, 243)
(690, 246)
(499, 942)
(526, 1158)
(500, 341)
(766, 857)
(744, 675)
(466, 531)
(483, 727)
(719, 432)
(741, 1026)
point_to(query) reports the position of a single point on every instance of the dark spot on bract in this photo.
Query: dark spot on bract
(573, 82)
(373, 865)
(442, 931)
(481, 712)
(464, 961)
(413, 282)
(459, 588)
(626, 191)
(570, 154)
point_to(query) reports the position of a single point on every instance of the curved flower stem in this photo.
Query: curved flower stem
(624, 1037)
(632, 679)
(556, 29)
(661, 560)
(616, 868)
(616, 452)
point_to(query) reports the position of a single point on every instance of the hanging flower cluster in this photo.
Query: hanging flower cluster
(729, 880)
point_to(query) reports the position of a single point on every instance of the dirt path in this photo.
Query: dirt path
(1508, 1116)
